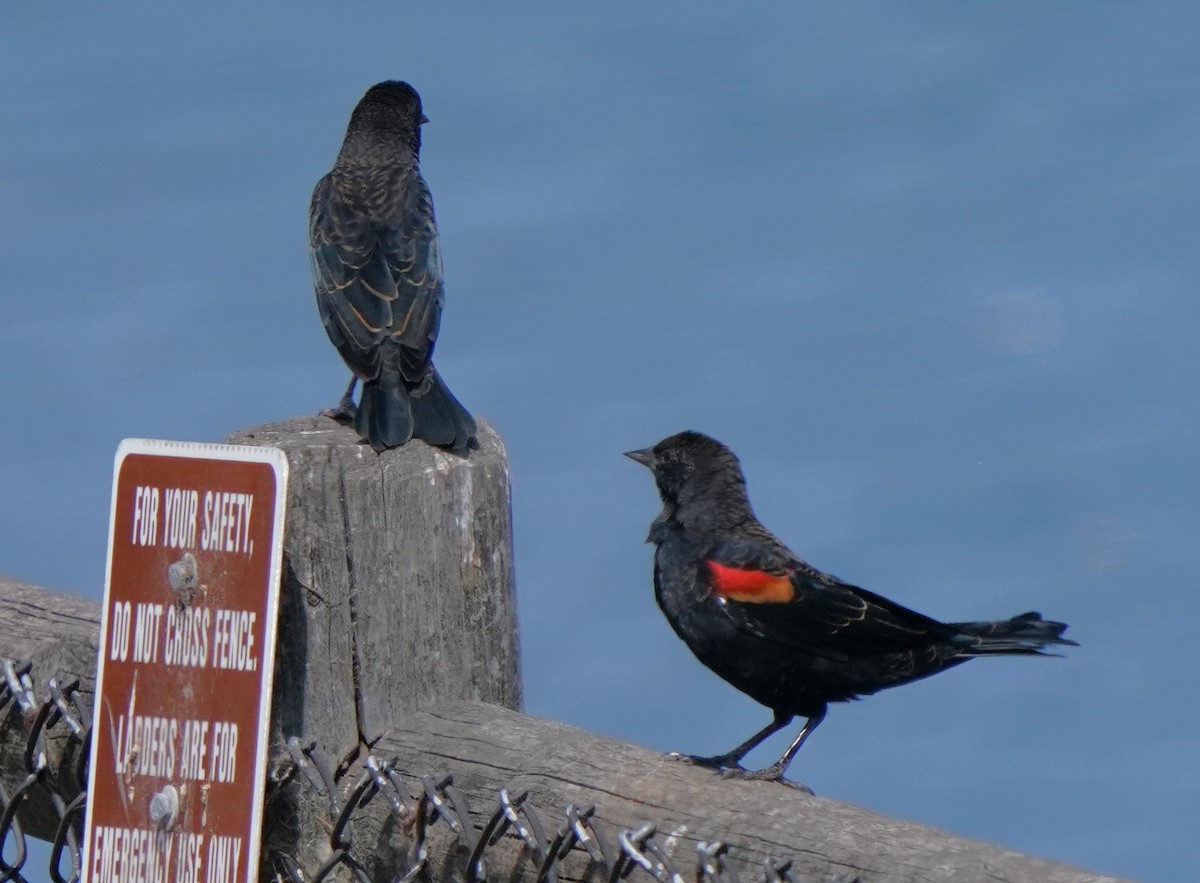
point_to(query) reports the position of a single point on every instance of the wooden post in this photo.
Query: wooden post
(397, 593)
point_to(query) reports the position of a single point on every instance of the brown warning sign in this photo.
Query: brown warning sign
(183, 689)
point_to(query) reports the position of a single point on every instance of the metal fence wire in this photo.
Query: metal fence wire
(63, 712)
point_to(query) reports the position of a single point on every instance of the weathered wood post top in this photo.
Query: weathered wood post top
(398, 581)
(397, 596)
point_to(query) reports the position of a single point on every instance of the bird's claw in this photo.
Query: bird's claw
(720, 762)
(344, 413)
(728, 768)
(770, 774)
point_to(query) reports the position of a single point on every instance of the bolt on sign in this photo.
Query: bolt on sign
(183, 693)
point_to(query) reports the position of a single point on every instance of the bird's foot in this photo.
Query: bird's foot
(719, 762)
(344, 413)
(769, 774)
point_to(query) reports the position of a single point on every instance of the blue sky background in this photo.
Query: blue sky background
(930, 269)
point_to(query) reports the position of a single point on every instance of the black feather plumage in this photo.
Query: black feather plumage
(781, 631)
(377, 271)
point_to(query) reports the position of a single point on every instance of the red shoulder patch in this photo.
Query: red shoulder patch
(754, 586)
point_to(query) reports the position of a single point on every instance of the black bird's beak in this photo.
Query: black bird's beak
(645, 456)
(424, 120)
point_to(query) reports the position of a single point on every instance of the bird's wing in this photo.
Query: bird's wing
(378, 281)
(772, 594)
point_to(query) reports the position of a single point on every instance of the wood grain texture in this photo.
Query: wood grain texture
(397, 593)
(485, 748)
(398, 581)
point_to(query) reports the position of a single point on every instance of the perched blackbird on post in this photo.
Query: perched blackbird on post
(377, 270)
(782, 632)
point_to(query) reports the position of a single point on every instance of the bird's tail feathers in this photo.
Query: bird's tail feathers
(1027, 633)
(440, 419)
(384, 417)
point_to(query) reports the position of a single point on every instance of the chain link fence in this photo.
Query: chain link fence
(62, 714)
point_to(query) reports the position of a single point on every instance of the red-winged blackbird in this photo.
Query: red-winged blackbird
(784, 633)
(378, 276)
